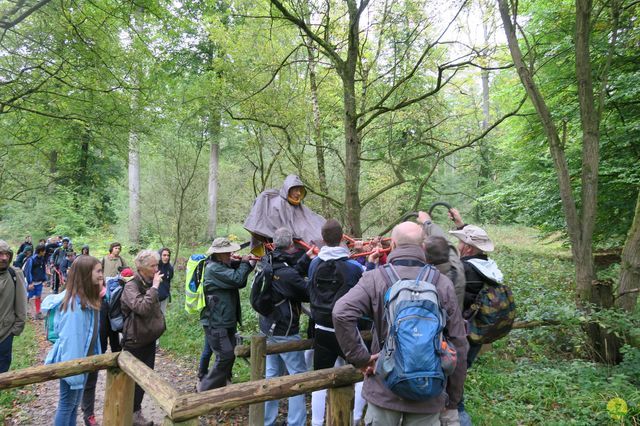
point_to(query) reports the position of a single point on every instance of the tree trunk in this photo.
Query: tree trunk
(580, 228)
(53, 162)
(83, 178)
(134, 149)
(630, 266)
(352, 137)
(214, 138)
(134, 187)
(317, 131)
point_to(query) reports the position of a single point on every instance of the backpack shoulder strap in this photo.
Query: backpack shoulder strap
(13, 277)
(390, 274)
(429, 274)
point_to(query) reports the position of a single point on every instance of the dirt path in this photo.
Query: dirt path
(41, 410)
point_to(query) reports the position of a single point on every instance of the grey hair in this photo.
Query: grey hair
(144, 257)
(283, 238)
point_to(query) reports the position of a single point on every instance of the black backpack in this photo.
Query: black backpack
(261, 297)
(328, 284)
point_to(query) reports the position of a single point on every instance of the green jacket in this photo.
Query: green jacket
(221, 288)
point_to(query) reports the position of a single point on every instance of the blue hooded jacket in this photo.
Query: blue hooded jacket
(34, 270)
(75, 328)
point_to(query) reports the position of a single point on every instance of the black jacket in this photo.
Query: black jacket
(290, 289)
(164, 291)
(475, 280)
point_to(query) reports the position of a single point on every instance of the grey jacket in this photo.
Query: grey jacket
(366, 299)
(453, 269)
(13, 299)
(13, 304)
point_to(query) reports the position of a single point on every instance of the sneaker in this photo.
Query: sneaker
(90, 421)
(140, 420)
(465, 418)
(199, 386)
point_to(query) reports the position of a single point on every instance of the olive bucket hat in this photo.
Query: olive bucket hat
(222, 245)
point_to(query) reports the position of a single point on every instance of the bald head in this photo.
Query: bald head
(407, 233)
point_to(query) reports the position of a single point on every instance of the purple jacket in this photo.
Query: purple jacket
(366, 299)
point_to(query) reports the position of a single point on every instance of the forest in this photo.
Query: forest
(157, 123)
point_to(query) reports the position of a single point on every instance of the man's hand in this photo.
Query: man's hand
(423, 217)
(370, 368)
(157, 278)
(375, 256)
(245, 258)
(454, 215)
(31, 287)
(311, 252)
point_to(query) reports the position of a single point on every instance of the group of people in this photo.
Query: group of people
(80, 311)
(45, 265)
(345, 297)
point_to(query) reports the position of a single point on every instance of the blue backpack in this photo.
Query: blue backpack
(410, 360)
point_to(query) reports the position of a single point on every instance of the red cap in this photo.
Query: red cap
(126, 273)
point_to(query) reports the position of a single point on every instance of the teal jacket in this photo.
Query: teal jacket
(221, 288)
(75, 328)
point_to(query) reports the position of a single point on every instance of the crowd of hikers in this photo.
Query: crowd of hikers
(411, 311)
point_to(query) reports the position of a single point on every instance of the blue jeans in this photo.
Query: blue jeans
(205, 358)
(67, 405)
(5, 353)
(294, 363)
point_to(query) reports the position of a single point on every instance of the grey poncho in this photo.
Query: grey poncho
(271, 210)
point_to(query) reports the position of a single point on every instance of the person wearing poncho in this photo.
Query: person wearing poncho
(275, 209)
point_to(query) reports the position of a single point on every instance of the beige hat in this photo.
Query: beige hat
(222, 245)
(474, 236)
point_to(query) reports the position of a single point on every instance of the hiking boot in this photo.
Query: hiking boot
(90, 421)
(140, 420)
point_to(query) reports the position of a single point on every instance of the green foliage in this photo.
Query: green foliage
(525, 189)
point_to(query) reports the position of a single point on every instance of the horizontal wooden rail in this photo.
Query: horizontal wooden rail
(535, 324)
(44, 373)
(244, 351)
(188, 406)
(148, 380)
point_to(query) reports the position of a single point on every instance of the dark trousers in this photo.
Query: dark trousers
(106, 334)
(146, 354)
(56, 278)
(222, 341)
(325, 349)
(474, 350)
(6, 347)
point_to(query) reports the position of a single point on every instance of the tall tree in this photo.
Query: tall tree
(579, 214)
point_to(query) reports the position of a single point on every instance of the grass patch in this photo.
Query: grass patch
(25, 349)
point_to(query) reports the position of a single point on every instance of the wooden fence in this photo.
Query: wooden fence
(124, 371)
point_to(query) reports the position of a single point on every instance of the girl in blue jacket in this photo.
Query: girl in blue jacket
(76, 324)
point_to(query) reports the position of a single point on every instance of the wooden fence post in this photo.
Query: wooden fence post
(258, 366)
(340, 406)
(118, 398)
